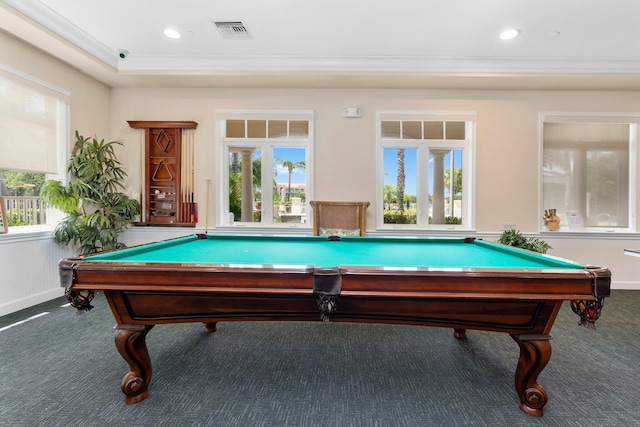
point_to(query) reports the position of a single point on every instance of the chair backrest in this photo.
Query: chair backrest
(4, 227)
(342, 218)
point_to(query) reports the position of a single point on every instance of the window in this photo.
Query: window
(589, 170)
(425, 170)
(34, 130)
(21, 197)
(266, 169)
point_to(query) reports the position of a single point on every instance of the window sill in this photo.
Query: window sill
(239, 228)
(410, 231)
(27, 232)
(589, 234)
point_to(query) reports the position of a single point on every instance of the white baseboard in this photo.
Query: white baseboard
(629, 286)
(30, 301)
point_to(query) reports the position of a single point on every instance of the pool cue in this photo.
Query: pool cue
(187, 172)
(206, 208)
(143, 205)
(185, 177)
(183, 180)
(193, 184)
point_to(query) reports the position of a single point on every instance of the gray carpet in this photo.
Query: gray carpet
(63, 370)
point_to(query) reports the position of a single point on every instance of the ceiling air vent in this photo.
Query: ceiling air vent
(232, 29)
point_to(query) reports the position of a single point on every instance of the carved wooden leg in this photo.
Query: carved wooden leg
(210, 327)
(460, 334)
(535, 352)
(131, 344)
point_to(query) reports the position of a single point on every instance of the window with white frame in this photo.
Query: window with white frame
(589, 170)
(425, 169)
(266, 167)
(34, 130)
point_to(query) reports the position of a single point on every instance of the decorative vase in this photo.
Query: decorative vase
(552, 223)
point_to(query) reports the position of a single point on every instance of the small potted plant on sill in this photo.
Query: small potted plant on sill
(516, 239)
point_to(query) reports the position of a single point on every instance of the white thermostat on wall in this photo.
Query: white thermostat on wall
(351, 112)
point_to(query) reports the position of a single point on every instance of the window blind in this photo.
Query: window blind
(30, 118)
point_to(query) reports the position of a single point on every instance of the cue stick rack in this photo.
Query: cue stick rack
(167, 174)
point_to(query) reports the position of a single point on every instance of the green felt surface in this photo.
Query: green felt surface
(320, 252)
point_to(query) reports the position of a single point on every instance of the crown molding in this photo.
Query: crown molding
(377, 64)
(52, 21)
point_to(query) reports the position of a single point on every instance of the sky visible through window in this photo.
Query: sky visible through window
(294, 155)
(391, 169)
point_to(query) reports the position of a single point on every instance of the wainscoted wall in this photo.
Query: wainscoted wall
(29, 263)
(601, 252)
(29, 270)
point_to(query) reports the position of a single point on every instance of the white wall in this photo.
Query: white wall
(29, 270)
(601, 252)
(507, 165)
(28, 262)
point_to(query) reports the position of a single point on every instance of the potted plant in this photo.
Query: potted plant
(515, 238)
(96, 211)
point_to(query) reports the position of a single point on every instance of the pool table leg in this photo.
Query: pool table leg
(131, 344)
(460, 334)
(535, 352)
(210, 327)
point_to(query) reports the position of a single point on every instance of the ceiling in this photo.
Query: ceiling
(455, 44)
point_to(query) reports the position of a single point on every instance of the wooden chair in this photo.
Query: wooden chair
(4, 227)
(339, 218)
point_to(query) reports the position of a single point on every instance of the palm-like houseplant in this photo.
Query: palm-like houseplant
(96, 211)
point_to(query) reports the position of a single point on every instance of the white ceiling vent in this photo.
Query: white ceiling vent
(232, 29)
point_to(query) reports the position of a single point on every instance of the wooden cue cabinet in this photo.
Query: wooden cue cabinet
(167, 196)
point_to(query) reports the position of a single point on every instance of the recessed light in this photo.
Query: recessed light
(171, 33)
(509, 33)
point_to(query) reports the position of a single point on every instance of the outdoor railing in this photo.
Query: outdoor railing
(25, 210)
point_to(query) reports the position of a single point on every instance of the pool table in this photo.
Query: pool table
(459, 283)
